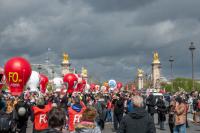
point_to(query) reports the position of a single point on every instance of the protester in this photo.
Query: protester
(109, 110)
(180, 116)
(21, 114)
(9, 105)
(75, 112)
(87, 124)
(39, 115)
(151, 102)
(138, 121)
(2, 103)
(129, 105)
(101, 111)
(195, 103)
(161, 110)
(118, 111)
(56, 120)
(171, 109)
(6, 123)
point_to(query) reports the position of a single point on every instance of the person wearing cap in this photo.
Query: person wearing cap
(39, 115)
(75, 112)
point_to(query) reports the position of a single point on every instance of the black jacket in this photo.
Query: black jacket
(138, 121)
(151, 102)
(161, 110)
(119, 106)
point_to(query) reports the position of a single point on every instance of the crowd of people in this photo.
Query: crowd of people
(87, 113)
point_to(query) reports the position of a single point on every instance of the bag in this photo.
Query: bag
(5, 124)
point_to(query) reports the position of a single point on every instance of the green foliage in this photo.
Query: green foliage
(181, 83)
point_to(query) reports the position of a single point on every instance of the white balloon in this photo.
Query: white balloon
(87, 88)
(97, 87)
(103, 88)
(33, 81)
(79, 78)
(58, 82)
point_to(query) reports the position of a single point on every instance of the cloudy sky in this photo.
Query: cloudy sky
(112, 38)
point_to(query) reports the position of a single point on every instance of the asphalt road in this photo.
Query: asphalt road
(108, 127)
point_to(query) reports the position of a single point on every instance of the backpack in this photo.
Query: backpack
(21, 111)
(5, 124)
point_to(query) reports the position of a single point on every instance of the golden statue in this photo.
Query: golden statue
(156, 58)
(140, 72)
(65, 58)
(84, 72)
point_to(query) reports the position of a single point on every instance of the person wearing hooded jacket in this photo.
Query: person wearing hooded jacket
(137, 121)
(39, 116)
(151, 103)
(118, 112)
(75, 112)
(161, 109)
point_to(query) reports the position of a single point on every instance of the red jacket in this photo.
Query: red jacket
(40, 117)
(109, 105)
(74, 117)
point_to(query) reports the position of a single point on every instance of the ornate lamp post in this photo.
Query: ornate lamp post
(171, 60)
(192, 48)
(39, 68)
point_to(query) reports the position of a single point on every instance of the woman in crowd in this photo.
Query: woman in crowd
(87, 124)
(180, 116)
(171, 110)
(56, 120)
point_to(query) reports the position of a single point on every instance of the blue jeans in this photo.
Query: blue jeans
(161, 124)
(180, 128)
(109, 115)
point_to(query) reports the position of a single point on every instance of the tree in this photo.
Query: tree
(181, 83)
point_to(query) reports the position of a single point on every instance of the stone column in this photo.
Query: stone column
(156, 65)
(156, 75)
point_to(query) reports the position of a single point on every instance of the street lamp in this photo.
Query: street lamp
(171, 60)
(192, 48)
(39, 68)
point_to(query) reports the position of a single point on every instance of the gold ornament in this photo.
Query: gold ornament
(65, 58)
(84, 72)
(140, 72)
(156, 58)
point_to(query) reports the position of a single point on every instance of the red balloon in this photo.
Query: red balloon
(43, 83)
(119, 85)
(92, 86)
(17, 72)
(81, 86)
(70, 81)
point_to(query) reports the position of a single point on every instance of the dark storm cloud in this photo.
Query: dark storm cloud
(169, 10)
(112, 38)
(117, 5)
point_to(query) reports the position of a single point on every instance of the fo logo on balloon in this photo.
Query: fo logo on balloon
(17, 72)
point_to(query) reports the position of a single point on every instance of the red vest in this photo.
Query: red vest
(74, 117)
(40, 117)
